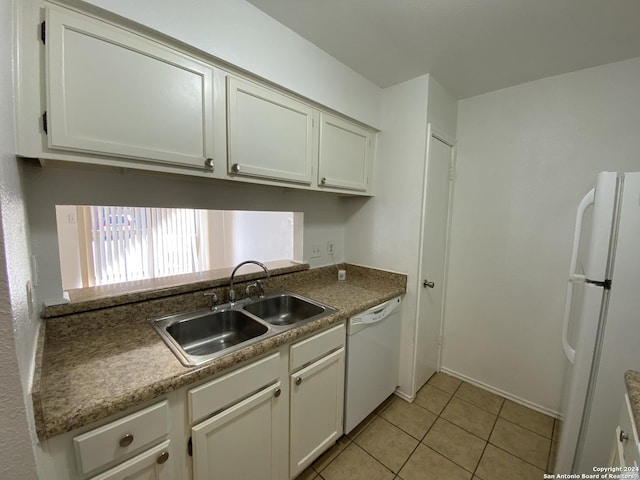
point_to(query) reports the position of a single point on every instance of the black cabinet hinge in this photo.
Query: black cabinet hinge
(190, 447)
(43, 32)
(45, 126)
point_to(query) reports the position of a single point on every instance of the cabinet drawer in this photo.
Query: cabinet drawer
(317, 346)
(152, 464)
(111, 442)
(221, 392)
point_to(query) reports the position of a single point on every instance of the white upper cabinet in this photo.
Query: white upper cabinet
(346, 154)
(270, 135)
(102, 91)
(112, 92)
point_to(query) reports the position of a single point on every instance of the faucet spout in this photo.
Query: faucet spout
(232, 292)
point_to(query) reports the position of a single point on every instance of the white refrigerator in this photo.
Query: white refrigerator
(601, 327)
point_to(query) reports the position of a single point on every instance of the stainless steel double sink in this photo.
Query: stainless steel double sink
(200, 336)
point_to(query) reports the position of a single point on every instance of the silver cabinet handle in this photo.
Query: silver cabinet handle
(277, 393)
(235, 167)
(428, 284)
(323, 180)
(164, 456)
(209, 163)
(623, 436)
(298, 381)
(126, 440)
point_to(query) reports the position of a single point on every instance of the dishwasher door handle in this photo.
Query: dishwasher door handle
(376, 314)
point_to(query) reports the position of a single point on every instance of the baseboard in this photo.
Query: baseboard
(404, 396)
(502, 393)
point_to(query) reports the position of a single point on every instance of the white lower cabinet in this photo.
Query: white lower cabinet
(625, 453)
(266, 420)
(137, 446)
(241, 442)
(272, 418)
(317, 400)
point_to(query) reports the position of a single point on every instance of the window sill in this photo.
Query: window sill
(93, 298)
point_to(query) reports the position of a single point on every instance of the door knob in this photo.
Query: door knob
(427, 283)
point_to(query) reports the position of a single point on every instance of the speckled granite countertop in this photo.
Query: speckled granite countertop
(632, 380)
(94, 364)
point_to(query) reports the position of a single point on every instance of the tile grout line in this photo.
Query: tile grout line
(487, 442)
(553, 431)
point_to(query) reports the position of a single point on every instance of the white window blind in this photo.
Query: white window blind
(132, 243)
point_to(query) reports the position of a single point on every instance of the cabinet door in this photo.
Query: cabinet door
(317, 402)
(153, 464)
(627, 439)
(241, 442)
(270, 135)
(346, 152)
(111, 92)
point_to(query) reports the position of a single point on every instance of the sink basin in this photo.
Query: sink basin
(286, 309)
(198, 337)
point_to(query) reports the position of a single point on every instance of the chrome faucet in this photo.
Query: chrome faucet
(232, 292)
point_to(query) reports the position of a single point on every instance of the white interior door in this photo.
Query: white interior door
(435, 228)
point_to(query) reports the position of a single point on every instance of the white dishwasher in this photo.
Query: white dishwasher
(373, 347)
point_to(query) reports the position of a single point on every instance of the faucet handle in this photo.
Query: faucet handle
(260, 285)
(247, 291)
(214, 299)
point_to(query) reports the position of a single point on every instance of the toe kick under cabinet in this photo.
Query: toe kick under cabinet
(267, 419)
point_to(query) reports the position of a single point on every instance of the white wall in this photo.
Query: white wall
(18, 332)
(324, 214)
(241, 34)
(384, 232)
(526, 155)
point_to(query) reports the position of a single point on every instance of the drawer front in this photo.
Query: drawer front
(311, 349)
(117, 439)
(154, 463)
(221, 392)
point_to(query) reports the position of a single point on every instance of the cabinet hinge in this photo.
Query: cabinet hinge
(45, 125)
(190, 447)
(452, 173)
(43, 32)
(440, 340)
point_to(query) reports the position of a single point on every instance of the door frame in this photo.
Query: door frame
(434, 132)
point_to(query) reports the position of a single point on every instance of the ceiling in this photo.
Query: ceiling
(470, 46)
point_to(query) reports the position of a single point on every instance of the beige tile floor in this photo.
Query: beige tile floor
(452, 431)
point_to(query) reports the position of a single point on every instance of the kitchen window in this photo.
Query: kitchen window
(103, 245)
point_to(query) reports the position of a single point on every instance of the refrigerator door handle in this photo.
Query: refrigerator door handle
(586, 202)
